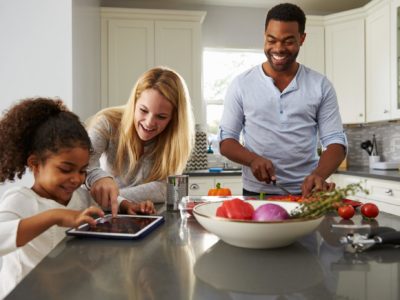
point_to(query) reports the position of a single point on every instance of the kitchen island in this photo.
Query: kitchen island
(181, 260)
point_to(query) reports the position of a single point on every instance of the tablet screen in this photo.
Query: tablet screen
(120, 226)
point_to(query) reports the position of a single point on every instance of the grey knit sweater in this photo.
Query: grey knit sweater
(132, 186)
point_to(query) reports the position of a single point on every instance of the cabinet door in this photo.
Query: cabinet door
(378, 64)
(345, 67)
(130, 53)
(199, 186)
(312, 51)
(233, 182)
(177, 45)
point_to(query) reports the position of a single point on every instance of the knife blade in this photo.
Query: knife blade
(278, 185)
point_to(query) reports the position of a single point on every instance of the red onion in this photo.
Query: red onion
(270, 212)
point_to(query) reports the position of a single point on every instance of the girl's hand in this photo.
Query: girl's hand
(105, 192)
(132, 208)
(74, 218)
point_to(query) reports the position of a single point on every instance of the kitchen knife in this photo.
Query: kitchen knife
(281, 187)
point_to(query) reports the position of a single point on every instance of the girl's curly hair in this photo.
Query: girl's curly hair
(37, 126)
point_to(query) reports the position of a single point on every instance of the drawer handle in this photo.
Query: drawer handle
(194, 186)
(389, 192)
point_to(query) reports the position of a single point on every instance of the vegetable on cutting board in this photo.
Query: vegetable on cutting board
(219, 191)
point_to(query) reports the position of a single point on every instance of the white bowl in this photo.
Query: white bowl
(255, 234)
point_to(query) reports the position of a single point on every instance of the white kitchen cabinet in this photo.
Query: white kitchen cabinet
(312, 53)
(135, 40)
(199, 185)
(384, 193)
(345, 63)
(378, 61)
(395, 58)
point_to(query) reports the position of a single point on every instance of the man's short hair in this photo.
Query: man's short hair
(287, 12)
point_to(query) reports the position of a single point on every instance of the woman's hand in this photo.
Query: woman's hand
(105, 192)
(132, 208)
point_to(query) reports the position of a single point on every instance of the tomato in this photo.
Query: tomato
(346, 211)
(221, 212)
(369, 210)
(235, 209)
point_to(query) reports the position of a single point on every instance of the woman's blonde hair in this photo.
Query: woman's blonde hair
(173, 145)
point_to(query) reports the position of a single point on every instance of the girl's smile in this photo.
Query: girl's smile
(61, 173)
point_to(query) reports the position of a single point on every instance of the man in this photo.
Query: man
(281, 107)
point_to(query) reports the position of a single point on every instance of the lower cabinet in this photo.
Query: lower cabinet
(199, 185)
(384, 193)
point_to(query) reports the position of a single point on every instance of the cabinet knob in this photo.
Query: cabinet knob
(361, 115)
(389, 192)
(194, 186)
(385, 111)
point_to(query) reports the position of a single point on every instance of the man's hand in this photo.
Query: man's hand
(314, 182)
(105, 192)
(263, 169)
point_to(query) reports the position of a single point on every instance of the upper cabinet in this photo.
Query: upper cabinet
(378, 62)
(135, 40)
(312, 51)
(344, 63)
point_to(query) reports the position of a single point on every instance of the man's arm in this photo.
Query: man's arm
(261, 167)
(328, 163)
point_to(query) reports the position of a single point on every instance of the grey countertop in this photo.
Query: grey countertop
(355, 171)
(372, 173)
(206, 172)
(181, 260)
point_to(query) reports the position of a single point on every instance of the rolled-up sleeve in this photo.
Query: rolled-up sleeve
(231, 123)
(100, 145)
(155, 191)
(329, 120)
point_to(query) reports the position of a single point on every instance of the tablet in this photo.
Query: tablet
(119, 227)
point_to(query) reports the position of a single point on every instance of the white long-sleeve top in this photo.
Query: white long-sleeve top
(19, 203)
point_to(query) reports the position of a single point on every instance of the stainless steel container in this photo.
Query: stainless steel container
(177, 187)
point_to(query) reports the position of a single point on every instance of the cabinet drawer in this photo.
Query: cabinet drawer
(383, 190)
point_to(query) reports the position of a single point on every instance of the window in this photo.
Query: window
(220, 66)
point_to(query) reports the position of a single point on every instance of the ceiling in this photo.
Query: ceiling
(309, 6)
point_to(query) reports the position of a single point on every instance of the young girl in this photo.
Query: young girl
(144, 141)
(43, 135)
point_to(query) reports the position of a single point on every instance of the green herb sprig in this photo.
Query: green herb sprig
(320, 203)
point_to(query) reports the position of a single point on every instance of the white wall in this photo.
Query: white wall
(86, 34)
(36, 54)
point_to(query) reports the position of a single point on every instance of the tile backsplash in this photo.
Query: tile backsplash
(387, 137)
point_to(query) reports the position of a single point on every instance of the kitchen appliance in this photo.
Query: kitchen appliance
(367, 146)
(358, 238)
(177, 188)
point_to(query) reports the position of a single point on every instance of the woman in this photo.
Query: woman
(143, 141)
